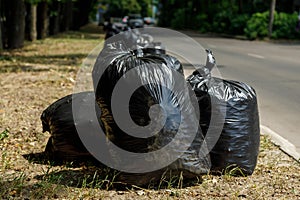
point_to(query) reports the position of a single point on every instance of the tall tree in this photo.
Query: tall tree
(42, 20)
(1, 43)
(271, 20)
(81, 12)
(55, 15)
(119, 8)
(1, 13)
(15, 23)
(67, 15)
(31, 20)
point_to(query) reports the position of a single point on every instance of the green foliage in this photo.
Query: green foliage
(202, 23)
(283, 26)
(257, 25)
(178, 22)
(225, 12)
(35, 2)
(4, 134)
(119, 8)
(238, 24)
(186, 16)
(235, 17)
(261, 5)
(131, 6)
(221, 17)
(221, 21)
(146, 9)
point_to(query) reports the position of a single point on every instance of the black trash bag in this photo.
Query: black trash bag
(112, 29)
(108, 56)
(134, 39)
(124, 47)
(156, 74)
(64, 143)
(154, 48)
(238, 145)
(170, 61)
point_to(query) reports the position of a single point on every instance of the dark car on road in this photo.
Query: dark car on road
(135, 21)
(149, 20)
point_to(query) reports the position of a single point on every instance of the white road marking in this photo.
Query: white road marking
(255, 55)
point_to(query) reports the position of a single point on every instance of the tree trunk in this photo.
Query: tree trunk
(15, 23)
(31, 32)
(241, 7)
(1, 43)
(67, 16)
(271, 20)
(81, 13)
(2, 27)
(42, 20)
(54, 19)
(1, 14)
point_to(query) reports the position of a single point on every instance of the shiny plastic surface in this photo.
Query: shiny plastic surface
(64, 142)
(238, 145)
(157, 76)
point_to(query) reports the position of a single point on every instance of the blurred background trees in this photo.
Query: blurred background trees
(234, 17)
(121, 8)
(37, 19)
(30, 20)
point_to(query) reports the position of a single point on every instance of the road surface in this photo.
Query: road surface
(273, 70)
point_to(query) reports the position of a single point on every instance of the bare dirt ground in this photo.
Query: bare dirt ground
(44, 71)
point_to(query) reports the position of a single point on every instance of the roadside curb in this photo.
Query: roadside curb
(283, 143)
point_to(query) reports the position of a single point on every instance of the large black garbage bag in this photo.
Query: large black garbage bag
(238, 145)
(64, 143)
(156, 75)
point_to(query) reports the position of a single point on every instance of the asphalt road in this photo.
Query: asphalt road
(273, 70)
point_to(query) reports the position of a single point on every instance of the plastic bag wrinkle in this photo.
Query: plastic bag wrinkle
(152, 71)
(238, 144)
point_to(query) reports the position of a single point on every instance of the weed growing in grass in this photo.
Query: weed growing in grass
(4, 134)
(171, 180)
(12, 186)
(233, 170)
(265, 143)
(18, 182)
(49, 185)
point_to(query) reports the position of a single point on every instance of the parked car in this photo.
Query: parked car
(135, 21)
(149, 21)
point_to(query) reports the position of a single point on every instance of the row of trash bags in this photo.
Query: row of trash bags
(163, 104)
